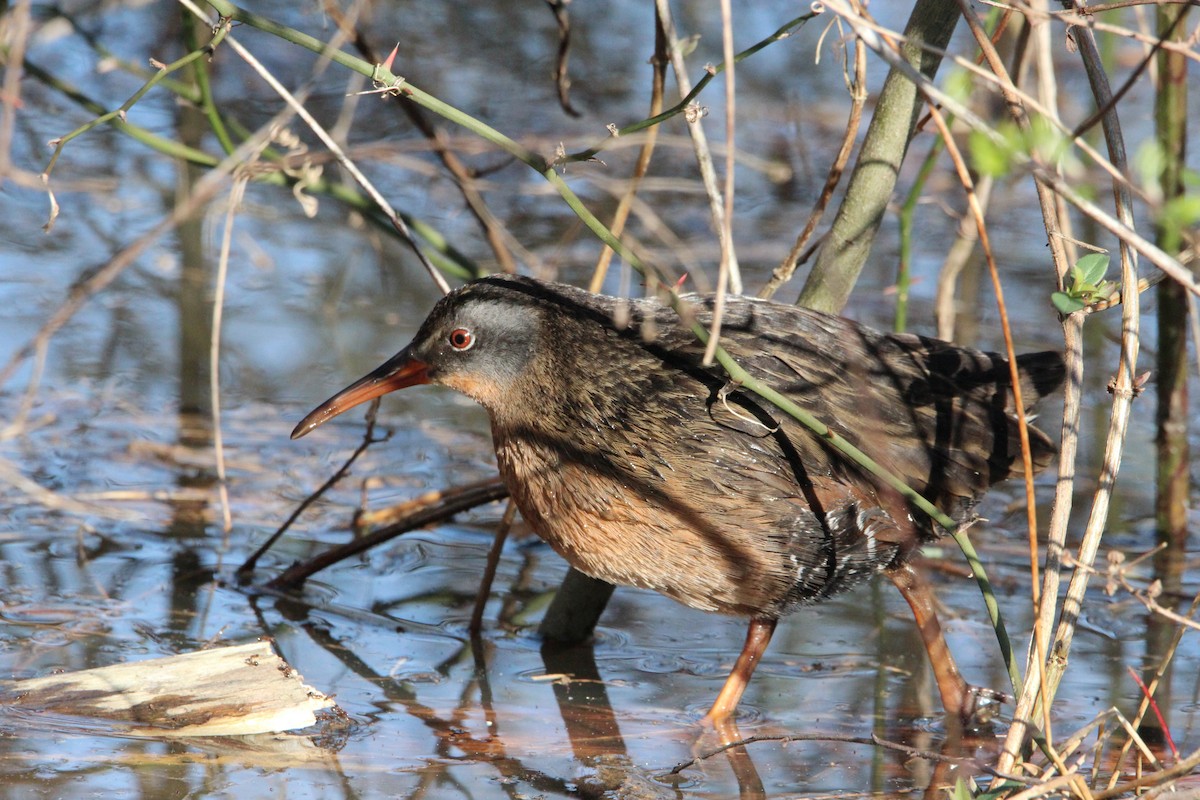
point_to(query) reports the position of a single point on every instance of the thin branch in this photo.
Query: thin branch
(248, 566)
(873, 740)
(236, 193)
(658, 64)
(489, 570)
(694, 117)
(858, 98)
(562, 78)
(298, 108)
(432, 508)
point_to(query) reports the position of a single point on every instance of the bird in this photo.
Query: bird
(641, 465)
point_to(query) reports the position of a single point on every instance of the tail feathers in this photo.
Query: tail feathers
(1042, 374)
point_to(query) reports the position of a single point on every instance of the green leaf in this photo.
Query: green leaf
(961, 791)
(988, 157)
(1045, 139)
(688, 46)
(1065, 303)
(960, 84)
(1091, 268)
(1181, 212)
(1149, 162)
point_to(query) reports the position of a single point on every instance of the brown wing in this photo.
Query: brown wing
(938, 415)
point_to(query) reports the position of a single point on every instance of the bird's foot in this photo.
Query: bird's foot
(979, 708)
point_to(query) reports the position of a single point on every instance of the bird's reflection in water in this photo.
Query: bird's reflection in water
(595, 735)
(484, 729)
(912, 751)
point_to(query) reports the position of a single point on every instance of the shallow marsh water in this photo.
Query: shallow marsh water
(138, 565)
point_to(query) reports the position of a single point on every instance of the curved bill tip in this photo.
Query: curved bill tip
(401, 371)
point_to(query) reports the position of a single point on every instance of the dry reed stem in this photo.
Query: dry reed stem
(695, 127)
(858, 98)
(945, 311)
(236, 192)
(964, 177)
(728, 276)
(642, 164)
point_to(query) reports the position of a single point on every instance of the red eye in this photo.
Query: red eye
(461, 339)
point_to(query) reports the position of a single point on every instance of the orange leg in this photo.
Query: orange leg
(757, 639)
(957, 696)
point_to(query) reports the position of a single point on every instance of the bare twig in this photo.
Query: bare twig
(432, 508)
(493, 562)
(858, 98)
(562, 78)
(299, 110)
(696, 128)
(247, 567)
(872, 740)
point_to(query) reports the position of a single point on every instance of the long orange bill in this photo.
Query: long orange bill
(398, 372)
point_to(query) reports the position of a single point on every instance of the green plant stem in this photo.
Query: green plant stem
(119, 113)
(907, 213)
(155, 142)
(204, 86)
(711, 72)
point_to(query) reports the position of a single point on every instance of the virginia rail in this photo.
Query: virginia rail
(643, 467)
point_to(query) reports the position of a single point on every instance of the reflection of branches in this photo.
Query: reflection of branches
(1118, 576)
(450, 734)
(426, 510)
(874, 740)
(205, 189)
(247, 567)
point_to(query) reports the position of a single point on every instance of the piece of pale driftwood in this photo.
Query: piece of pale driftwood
(227, 691)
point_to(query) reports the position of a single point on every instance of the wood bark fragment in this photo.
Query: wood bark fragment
(227, 691)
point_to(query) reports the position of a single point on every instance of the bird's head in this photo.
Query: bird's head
(478, 340)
